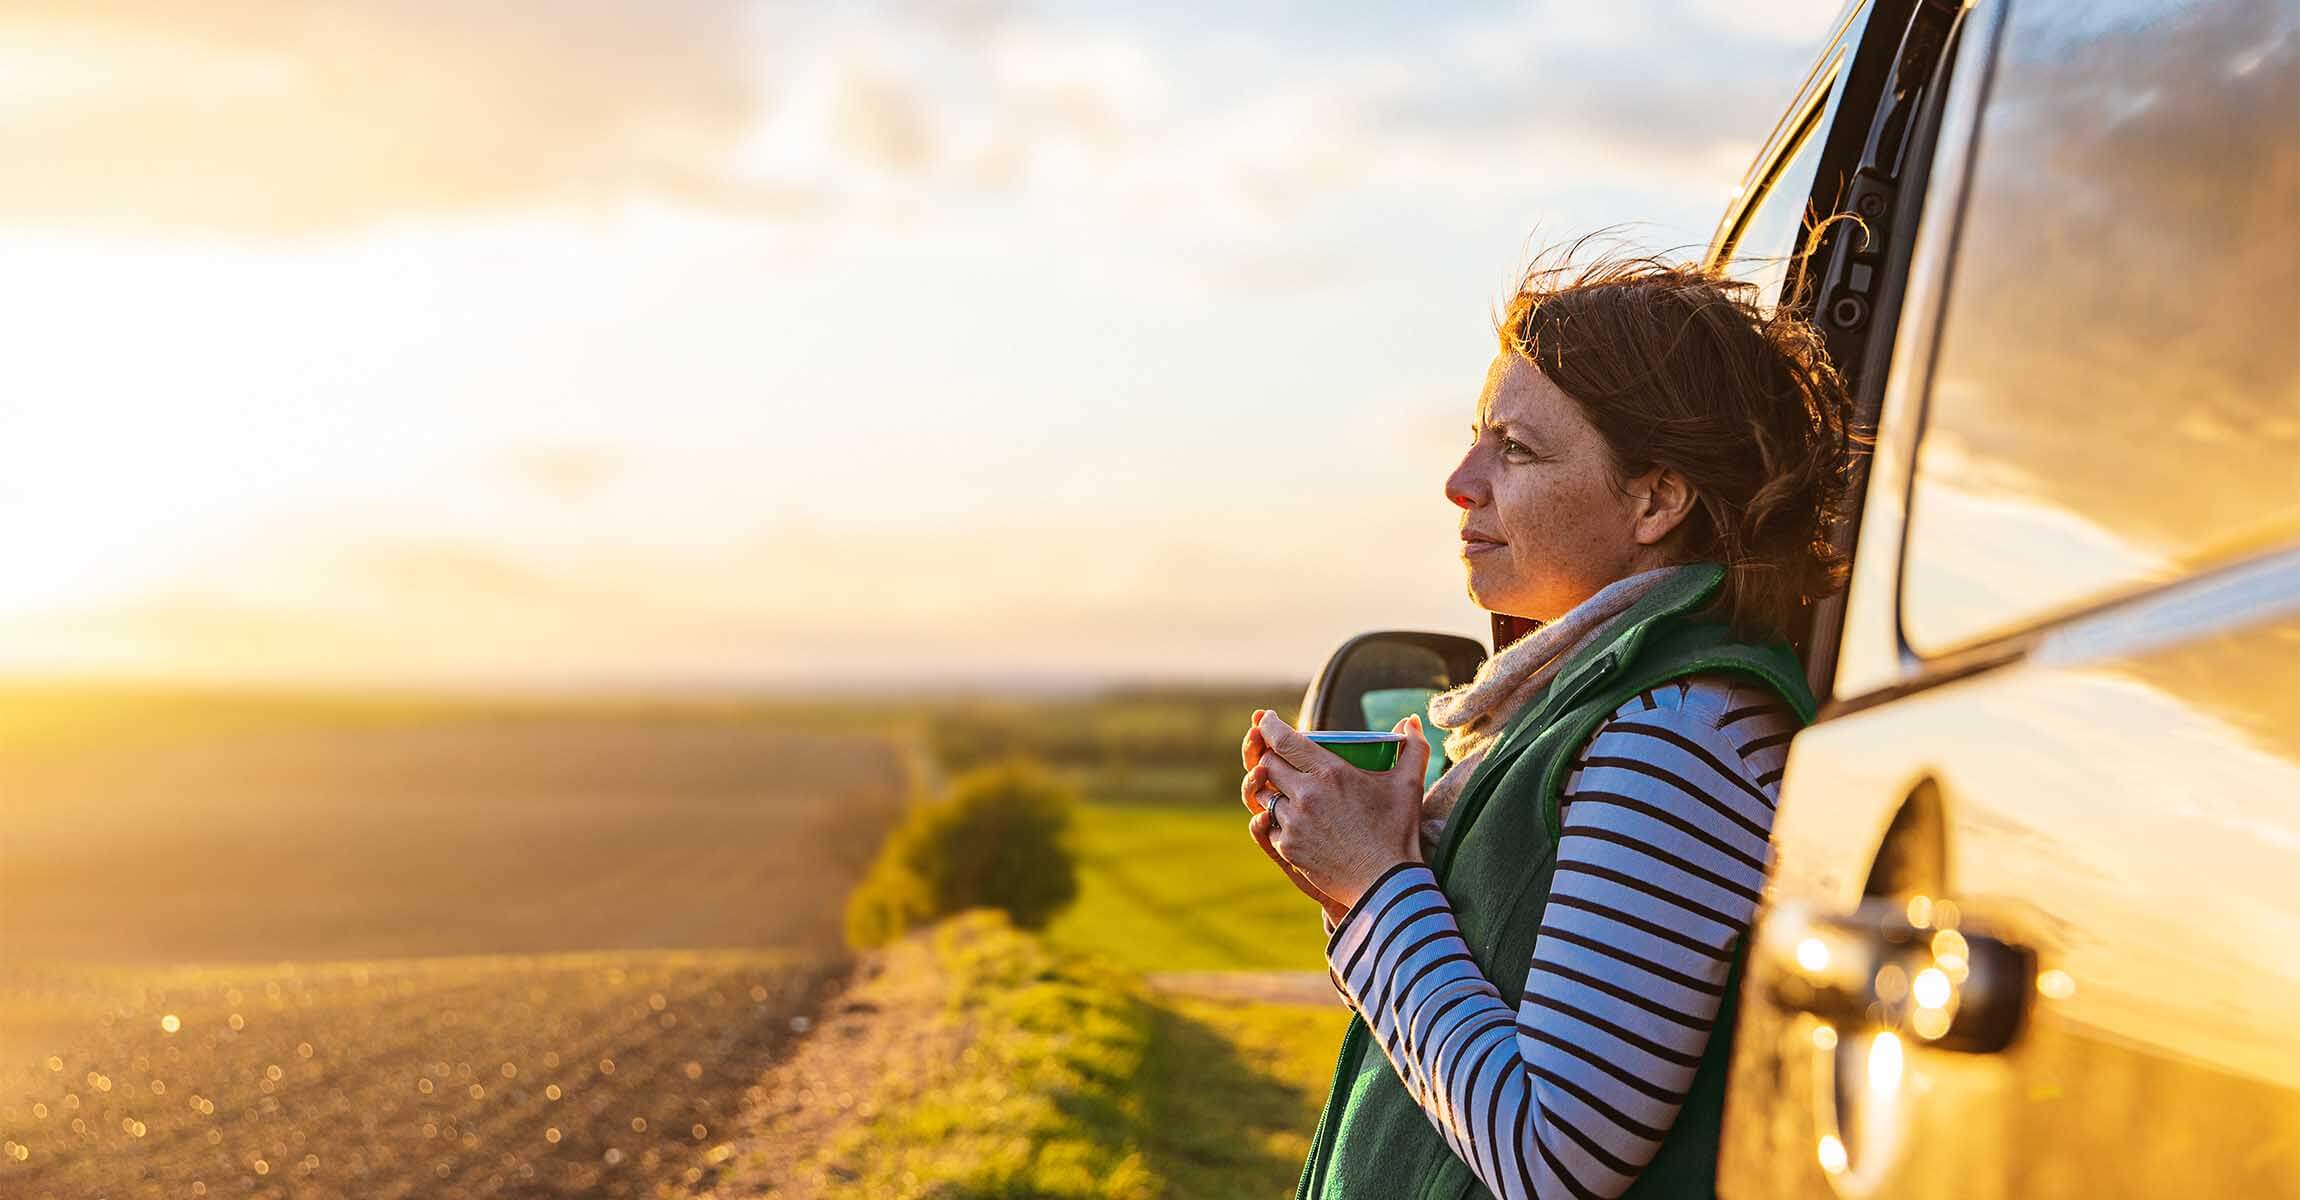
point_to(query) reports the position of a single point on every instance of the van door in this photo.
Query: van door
(2033, 928)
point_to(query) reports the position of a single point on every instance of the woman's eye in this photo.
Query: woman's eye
(1515, 448)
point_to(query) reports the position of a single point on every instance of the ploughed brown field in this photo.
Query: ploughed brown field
(316, 950)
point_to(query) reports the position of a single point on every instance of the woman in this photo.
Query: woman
(1543, 949)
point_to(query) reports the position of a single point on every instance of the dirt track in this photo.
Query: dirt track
(873, 1045)
(1259, 987)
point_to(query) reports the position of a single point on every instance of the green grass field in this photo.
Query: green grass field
(1180, 887)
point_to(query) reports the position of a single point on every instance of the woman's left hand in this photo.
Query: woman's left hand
(1340, 826)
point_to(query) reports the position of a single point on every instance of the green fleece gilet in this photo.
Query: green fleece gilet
(1495, 863)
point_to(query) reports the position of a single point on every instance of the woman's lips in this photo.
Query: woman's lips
(1471, 546)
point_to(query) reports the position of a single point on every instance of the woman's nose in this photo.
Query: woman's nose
(1458, 487)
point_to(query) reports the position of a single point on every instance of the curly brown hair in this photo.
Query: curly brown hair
(1682, 367)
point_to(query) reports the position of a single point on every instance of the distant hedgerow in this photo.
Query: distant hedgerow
(999, 838)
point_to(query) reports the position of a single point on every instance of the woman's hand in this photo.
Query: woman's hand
(1261, 825)
(1336, 828)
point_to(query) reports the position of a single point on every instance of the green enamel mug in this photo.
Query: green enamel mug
(1362, 748)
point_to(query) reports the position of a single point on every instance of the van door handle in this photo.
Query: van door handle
(1874, 968)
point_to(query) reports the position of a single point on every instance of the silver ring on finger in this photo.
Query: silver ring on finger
(1270, 803)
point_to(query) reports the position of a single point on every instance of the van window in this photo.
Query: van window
(2115, 398)
(1772, 228)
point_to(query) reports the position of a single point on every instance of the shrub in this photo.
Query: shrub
(998, 839)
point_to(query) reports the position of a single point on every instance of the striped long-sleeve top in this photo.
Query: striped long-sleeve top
(1661, 857)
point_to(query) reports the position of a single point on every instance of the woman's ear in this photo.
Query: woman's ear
(1660, 500)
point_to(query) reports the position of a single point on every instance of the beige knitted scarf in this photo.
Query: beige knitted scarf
(1475, 713)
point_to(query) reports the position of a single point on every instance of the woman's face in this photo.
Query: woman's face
(1545, 523)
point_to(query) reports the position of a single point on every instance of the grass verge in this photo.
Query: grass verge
(1041, 1100)
(1232, 1094)
(1040, 1073)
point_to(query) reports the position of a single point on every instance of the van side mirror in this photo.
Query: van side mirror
(1364, 685)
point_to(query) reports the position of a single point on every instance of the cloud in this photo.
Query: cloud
(241, 116)
(878, 120)
(1284, 271)
(1657, 88)
(232, 117)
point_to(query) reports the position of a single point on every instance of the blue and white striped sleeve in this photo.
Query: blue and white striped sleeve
(1661, 860)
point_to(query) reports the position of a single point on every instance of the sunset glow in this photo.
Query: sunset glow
(708, 344)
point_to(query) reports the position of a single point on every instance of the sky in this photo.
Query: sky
(712, 343)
